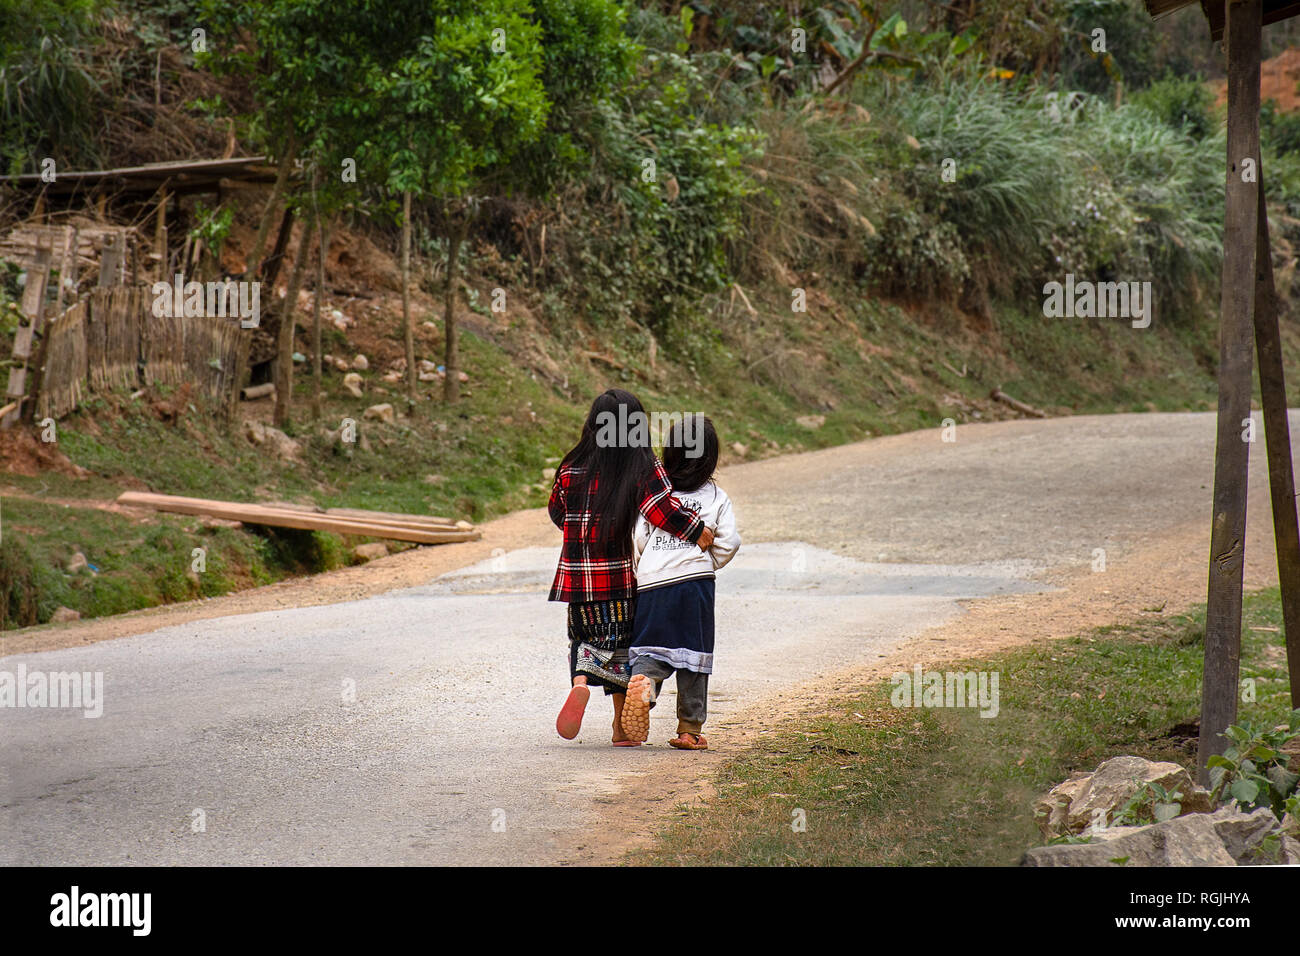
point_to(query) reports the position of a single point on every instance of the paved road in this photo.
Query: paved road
(400, 728)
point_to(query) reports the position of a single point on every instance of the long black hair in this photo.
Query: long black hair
(689, 472)
(620, 467)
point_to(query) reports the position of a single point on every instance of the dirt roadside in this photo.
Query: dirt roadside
(1165, 578)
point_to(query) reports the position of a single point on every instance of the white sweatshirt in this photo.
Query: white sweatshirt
(660, 558)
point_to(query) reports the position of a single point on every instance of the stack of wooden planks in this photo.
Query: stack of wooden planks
(421, 529)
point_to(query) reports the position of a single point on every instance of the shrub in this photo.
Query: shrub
(1183, 102)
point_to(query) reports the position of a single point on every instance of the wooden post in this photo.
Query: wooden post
(1281, 474)
(110, 260)
(160, 237)
(1231, 457)
(64, 269)
(23, 391)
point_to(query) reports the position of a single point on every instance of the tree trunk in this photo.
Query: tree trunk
(324, 235)
(284, 352)
(268, 212)
(408, 330)
(451, 384)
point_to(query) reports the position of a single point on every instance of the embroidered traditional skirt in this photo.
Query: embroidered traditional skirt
(600, 633)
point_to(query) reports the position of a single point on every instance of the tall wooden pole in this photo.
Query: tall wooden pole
(1231, 457)
(1281, 472)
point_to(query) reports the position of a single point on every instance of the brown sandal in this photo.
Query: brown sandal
(683, 741)
(636, 708)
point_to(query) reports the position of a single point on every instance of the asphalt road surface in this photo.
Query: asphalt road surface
(418, 726)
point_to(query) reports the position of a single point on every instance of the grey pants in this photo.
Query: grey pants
(692, 692)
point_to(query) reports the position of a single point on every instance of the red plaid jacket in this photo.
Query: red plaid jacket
(592, 570)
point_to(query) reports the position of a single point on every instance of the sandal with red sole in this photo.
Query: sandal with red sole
(569, 722)
(683, 742)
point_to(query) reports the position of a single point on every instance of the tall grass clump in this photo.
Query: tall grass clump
(1037, 184)
(1007, 166)
(48, 89)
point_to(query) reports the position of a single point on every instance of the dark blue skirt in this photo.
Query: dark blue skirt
(674, 624)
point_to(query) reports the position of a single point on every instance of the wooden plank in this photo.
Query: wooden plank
(387, 517)
(1231, 459)
(1281, 470)
(392, 516)
(285, 518)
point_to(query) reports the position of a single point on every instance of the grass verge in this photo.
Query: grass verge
(884, 786)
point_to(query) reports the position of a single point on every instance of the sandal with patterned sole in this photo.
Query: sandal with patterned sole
(636, 708)
(569, 722)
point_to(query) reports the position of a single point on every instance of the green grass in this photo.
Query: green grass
(137, 565)
(880, 785)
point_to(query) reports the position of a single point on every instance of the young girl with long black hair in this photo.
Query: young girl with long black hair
(607, 479)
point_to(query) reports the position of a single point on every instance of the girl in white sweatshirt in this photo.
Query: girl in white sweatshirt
(673, 624)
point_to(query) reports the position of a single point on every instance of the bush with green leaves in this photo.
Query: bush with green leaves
(669, 185)
(1253, 767)
(1182, 102)
(1130, 45)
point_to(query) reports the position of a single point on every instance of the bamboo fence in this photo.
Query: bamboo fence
(110, 339)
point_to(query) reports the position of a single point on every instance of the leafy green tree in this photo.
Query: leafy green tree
(445, 91)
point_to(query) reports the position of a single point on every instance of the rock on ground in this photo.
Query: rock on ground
(1081, 801)
(1227, 837)
(265, 435)
(369, 552)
